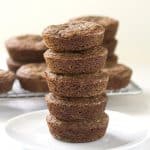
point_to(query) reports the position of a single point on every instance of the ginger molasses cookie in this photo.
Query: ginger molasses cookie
(31, 77)
(78, 132)
(6, 80)
(81, 85)
(111, 61)
(119, 76)
(76, 108)
(111, 46)
(74, 36)
(110, 24)
(14, 65)
(89, 61)
(26, 48)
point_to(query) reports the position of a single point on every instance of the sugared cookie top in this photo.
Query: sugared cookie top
(68, 30)
(73, 36)
(26, 42)
(6, 74)
(32, 70)
(102, 20)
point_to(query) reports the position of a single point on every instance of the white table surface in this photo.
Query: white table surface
(135, 105)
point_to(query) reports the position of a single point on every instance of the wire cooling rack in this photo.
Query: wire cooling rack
(18, 92)
(131, 89)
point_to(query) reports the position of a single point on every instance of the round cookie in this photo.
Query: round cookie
(26, 48)
(31, 77)
(110, 45)
(6, 80)
(111, 61)
(75, 36)
(76, 109)
(110, 24)
(89, 61)
(81, 85)
(77, 132)
(119, 76)
(14, 65)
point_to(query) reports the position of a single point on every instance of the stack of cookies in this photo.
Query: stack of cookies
(119, 74)
(77, 84)
(26, 59)
(24, 49)
(111, 27)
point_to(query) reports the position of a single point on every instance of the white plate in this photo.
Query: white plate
(124, 132)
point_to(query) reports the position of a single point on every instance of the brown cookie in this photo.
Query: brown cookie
(6, 80)
(26, 48)
(110, 24)
(119, 76)
(14, 65)
(31, 77)
(110, 45)
(78, 132)
(76, 109)
(73, 36)
(89, 61)
(111, 61)
(82, 85)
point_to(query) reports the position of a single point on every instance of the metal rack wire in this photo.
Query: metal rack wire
(18, 92)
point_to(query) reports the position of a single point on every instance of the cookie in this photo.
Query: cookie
(26, 48)
(73, 36)
(76, 109)
(119, 76)
(6, 80)
(77, 132)
(89, 61)
(111, 61)
(14, 65)
(81, 85)
(111, 46)
(110, 24)
(31, 77)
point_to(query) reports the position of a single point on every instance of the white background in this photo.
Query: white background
(31, 16)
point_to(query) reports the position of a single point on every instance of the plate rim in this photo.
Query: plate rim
(29, 146)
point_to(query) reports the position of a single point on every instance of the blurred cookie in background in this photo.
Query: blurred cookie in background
(14, 65)
(111, 46)
(6, 80)
(119, 76)
(26, 48)
(31, 77)
(111, 61)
